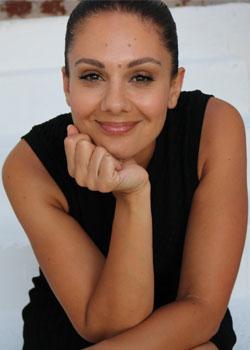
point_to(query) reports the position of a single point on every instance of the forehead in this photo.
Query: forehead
(116, 35)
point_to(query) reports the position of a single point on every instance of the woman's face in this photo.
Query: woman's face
(109, 84)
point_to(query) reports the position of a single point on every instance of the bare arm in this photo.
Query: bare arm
(69, 259)
(213, 248)
(124, 295)
(67, 256)
(181, 325)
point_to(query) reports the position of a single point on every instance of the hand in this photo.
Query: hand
(95, 168)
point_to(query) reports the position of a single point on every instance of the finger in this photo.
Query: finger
(83, 153)
(94, 165)
(108, 176)
(72, 130)
(116, 164)
(70, 143)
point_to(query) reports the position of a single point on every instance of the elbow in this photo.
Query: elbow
(83, 329)
(104, 325)
(213, 329)
(91, 331)
(92, 334)
(106, 328)
(209, 318)
(215, 324)
(211, 324)
(89, 334)
(214, 317)
(95, 333)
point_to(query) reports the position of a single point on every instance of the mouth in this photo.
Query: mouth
(115, 128)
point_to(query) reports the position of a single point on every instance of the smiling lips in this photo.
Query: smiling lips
(117, 128)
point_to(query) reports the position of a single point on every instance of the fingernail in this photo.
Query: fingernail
(69, 128)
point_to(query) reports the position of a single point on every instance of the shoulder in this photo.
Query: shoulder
(38, 162)
(222, 132)
(25, 177)
(222, 112)
(53, 129)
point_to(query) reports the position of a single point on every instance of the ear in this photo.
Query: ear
(175, 88)
(66, 85)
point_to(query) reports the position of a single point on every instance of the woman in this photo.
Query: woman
(138, 196)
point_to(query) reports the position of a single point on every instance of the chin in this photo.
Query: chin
(117, 148)
(121, 155)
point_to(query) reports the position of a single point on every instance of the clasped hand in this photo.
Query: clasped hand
(95, 168)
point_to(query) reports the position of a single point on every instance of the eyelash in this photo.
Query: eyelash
(148, 80)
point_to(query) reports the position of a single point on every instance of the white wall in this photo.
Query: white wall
(215, 50)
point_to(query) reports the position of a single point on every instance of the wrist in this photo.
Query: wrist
(141, 192)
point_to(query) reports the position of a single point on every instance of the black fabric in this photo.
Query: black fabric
(173, 176)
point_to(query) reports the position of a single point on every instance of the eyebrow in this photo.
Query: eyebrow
(131, 64)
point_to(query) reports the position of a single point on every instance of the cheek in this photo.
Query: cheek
(154, 105)
(83, 103)
(155, 108)
(154, 97)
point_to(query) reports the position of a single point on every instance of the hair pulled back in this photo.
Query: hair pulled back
(154, 10)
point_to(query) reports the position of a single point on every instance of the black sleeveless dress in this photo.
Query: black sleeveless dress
(173, 176)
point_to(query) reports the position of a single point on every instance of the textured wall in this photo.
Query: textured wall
(41, 8)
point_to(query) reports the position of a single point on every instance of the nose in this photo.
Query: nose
(114, 100)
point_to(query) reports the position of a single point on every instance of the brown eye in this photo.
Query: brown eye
(145, 79)
(90, 77)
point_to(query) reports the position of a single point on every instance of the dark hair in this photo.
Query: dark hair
(155, 10)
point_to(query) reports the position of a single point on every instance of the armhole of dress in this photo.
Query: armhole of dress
(198, 107)
(51, 155)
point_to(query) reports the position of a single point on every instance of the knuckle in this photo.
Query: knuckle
(90, 183)
(70, 171)
(91, 187)
(79, 180)
(87, 138)
(68, 141)
(84, 144)
(65, 141)
(104, 188)
(81, 143)
(108, 156)
(100, 149)
(108, 181)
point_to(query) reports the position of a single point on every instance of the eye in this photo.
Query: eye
(140, 78)
(144, 79)
(90, 77)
